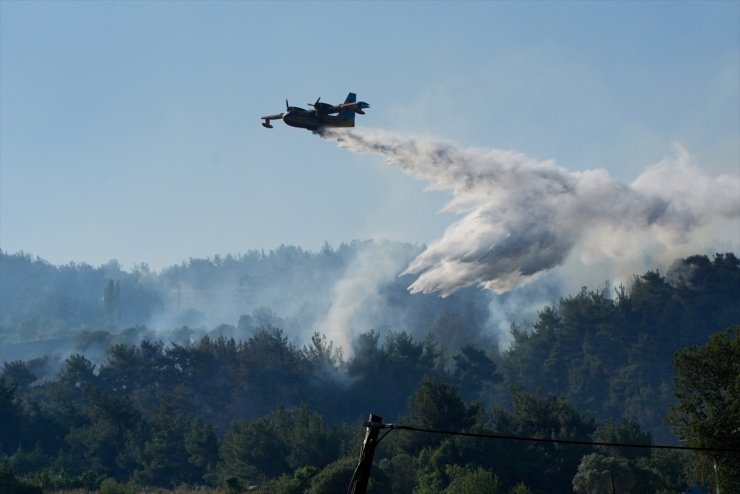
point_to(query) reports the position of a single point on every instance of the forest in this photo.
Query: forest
(249, 396)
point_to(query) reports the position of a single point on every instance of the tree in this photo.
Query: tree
(555, 464)
(109, 435)
(597, 473)
(277, 444)
(163, 458)
(473, 369)
(251, 451)
(628, 432)
(11, 417)
(400, 471)
(708, 410)
(10, 484)
(201, 444)
(334, 478)
(435, 405)
(472, 481)
(17, 373)
(635, 470)
(112, 303)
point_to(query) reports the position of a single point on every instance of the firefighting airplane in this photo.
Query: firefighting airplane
(322, 115)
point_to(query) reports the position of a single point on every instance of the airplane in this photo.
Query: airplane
(322, 115)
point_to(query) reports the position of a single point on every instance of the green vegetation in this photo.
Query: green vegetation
(708, 391)
(258, 413)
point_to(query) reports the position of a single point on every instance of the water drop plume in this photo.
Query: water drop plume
(522, 217)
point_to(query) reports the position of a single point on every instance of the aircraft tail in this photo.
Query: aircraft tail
(349, 115)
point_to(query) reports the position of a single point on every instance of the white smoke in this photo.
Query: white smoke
(524, 217)
(356, 300)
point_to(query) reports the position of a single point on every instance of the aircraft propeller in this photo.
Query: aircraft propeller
(289, 108)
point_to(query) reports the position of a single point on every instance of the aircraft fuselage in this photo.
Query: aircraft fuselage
(311, 120)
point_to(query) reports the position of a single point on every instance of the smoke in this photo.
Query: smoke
(523, 217)
(357, 303)
(339, 293)
(529, 230)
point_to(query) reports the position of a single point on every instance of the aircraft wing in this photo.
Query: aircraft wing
(268, 118)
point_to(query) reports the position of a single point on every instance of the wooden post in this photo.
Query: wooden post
(358, 485)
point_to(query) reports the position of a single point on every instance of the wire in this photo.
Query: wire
(356, 474)
(393, 427)
(353, 479)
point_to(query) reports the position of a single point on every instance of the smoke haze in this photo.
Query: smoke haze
(530, 231)
(356, 301)
(523, 217)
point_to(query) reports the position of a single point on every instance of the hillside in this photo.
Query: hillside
(247, 402)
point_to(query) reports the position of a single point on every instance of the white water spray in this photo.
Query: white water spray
(524, 217)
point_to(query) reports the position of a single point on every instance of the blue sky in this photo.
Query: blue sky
(131, 131)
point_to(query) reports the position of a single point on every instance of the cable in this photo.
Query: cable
(393, 427)
(353, 479)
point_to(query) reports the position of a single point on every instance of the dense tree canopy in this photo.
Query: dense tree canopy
(247, 405)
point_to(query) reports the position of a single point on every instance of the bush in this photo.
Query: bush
(9, 484)
(111, 486)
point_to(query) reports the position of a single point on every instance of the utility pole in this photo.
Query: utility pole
(358, 484)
